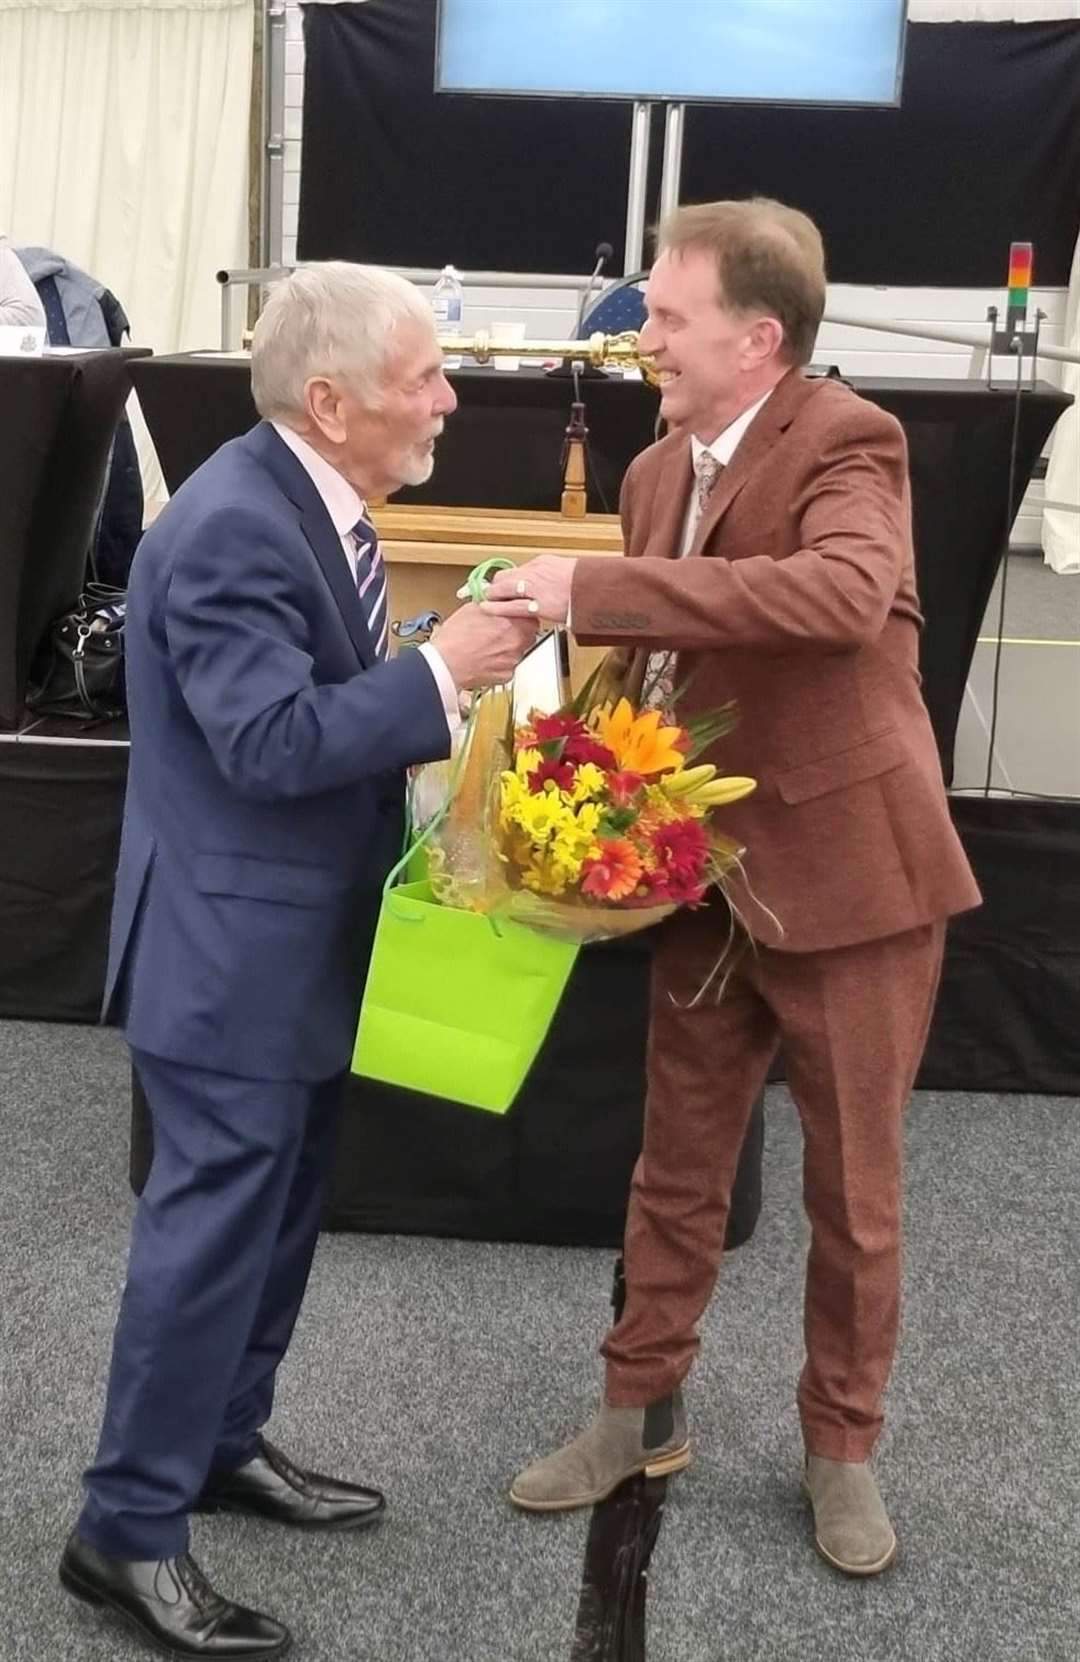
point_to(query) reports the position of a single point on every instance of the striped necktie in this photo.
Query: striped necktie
(371, 586)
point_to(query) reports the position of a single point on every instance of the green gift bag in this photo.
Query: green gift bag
(454, 1005)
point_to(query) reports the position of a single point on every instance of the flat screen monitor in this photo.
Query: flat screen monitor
(841, 52)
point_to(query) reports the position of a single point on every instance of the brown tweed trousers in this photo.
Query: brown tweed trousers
(797, 599)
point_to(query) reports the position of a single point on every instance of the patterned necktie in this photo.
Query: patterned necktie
(707, 471)
(659, 681)
(371, 586)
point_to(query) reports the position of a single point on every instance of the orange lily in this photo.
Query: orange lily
(639, 743)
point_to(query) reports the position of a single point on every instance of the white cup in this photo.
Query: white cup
(509, 333)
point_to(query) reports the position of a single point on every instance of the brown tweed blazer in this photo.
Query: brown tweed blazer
(798, 600)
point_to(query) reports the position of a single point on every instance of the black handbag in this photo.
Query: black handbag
(79, 669)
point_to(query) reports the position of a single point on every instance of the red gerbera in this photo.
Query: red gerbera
(561, 772)
(615, 873)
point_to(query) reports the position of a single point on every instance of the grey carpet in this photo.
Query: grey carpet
(1040, 604)
(435, 1368)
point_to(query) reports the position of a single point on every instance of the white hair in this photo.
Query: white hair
(329, 318)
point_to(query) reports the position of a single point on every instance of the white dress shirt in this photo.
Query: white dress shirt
(345, 507)
(19, 303)
(723, 448)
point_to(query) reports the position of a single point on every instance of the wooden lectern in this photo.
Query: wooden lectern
(429, 552)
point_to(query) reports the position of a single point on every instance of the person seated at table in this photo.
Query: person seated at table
(19, 303)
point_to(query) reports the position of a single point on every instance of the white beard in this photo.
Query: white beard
(420, 469)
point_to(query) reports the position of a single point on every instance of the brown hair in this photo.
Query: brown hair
(768, 258)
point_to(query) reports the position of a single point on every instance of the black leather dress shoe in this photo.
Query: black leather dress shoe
(171, 1604)
(270, 1486)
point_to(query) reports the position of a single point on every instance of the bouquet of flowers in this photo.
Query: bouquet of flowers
(591, 822)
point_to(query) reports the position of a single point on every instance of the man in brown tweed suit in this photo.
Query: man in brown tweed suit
(769, 549)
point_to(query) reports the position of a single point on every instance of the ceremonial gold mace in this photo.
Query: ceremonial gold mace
(622, 351)
(617, 351)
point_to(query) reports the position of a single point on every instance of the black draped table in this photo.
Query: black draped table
(502, 450)
(61, 803)
(1006, 1019)
(556, 1168)
(58, 416)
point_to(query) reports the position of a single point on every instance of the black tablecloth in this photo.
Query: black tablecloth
(502, 450)
(60, 810)
(1007, 1017)
(556, 1168)
(58, 416)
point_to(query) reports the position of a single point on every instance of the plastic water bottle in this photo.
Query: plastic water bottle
(448, 304)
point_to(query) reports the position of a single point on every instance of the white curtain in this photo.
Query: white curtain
(1061, 515)
(124, 146)
(992, 11)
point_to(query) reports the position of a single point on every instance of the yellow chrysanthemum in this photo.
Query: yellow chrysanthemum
(588, 819)
(546, 875)
(545, 836)
(512, 790)
(588, 782)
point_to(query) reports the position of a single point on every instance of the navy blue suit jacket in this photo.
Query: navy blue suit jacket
(264, 800)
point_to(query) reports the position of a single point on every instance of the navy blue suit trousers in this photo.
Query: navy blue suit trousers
(221, 1247)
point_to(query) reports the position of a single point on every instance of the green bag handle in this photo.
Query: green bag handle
(475, 584)
(478, 576)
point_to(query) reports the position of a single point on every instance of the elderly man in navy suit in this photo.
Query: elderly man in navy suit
(270, 730)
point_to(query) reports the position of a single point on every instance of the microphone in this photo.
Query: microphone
(603, 252)
(576, 368)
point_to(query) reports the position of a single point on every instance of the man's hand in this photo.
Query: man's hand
(480, 650)
(539, 589)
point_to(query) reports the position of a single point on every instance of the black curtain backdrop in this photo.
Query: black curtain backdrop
(984, 150)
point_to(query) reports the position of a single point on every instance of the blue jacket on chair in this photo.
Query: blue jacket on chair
(265, 792)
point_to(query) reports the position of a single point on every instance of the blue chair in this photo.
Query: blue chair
(620, 307)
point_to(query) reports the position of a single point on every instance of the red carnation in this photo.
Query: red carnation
(685, 892)
(681, 849)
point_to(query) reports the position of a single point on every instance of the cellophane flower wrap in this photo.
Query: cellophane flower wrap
(592, 822)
